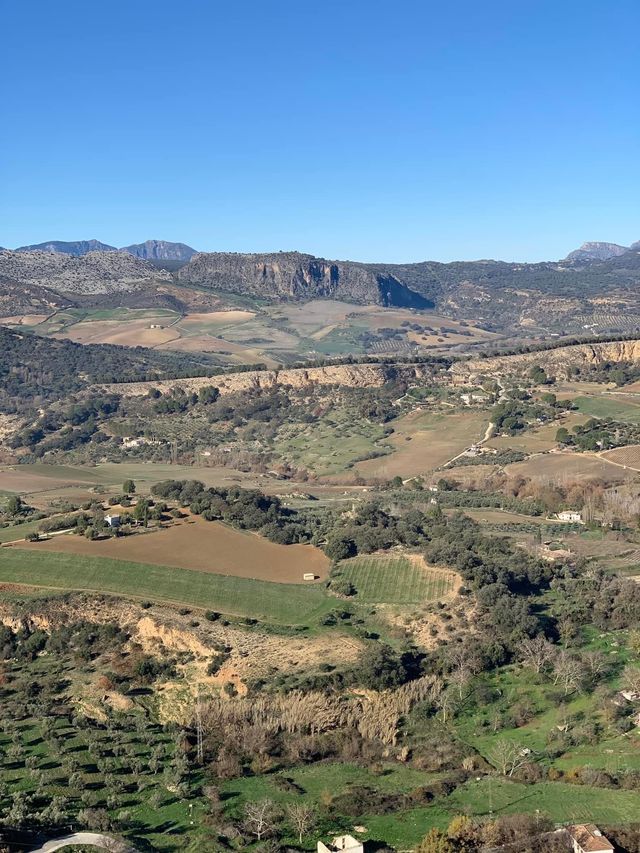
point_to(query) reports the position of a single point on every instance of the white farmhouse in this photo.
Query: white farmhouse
(112, 520)
(570, 515)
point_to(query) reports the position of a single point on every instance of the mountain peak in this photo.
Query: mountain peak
(160, 250)
(76, 247)
(596, 251)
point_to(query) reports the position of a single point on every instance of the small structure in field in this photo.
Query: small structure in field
(587, 838)
(308, 576)
(570, 515)
(112, 520)
(342, 842)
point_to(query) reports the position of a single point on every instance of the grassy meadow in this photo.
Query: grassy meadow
(391, 579)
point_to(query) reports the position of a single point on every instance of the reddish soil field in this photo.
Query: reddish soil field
(203, 546)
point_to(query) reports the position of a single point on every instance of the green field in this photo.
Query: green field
(285, 604)
(403, 829)
(561, 802)
(609, 407)
(18, 531)
(383, 579)
(332, 444)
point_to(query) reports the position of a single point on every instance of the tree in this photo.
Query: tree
(536, 652)
(568, 671)
(380, 668)
(128, 487)
(464, 833)
(507, 756)
(631, 678)
(302, 817)
(141, 511)
(339, 548)
(260, 818)
(435, 841)
(14, 505)
(208, 394)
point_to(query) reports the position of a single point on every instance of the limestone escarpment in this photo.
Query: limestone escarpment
(292, 275)
(346, 375)
(554, 361)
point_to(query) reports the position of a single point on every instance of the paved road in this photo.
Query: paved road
(106, 842)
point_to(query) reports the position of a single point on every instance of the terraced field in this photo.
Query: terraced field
(392, 579)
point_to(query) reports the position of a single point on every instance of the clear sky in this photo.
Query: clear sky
(360, 129)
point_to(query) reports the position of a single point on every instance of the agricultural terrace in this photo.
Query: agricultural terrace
(392, 579)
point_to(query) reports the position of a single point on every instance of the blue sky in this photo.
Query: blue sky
(347, 128)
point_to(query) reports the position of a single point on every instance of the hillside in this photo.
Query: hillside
(292, 275)
(90, 274)
(566, 297)
(33, 366)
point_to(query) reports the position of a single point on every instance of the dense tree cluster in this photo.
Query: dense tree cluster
(599, 434)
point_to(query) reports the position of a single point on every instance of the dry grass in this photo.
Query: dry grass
(541, 439)
(424, 442)
(568, 467)
(128, 333)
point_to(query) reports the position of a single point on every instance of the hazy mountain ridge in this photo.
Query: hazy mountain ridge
(159, 250)
(75, 247)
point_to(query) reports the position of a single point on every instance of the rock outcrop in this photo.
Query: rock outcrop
(556, 362)
(345, 375)
(291, 275)
(596, 251)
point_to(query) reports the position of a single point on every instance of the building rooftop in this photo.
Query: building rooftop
(589, 837)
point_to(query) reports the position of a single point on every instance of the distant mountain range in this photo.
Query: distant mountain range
(156, 250)
(595, 287)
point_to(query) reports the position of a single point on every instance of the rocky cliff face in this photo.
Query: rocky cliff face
(345, 375)
(94, 273)
(291, 275)
(556, 361)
